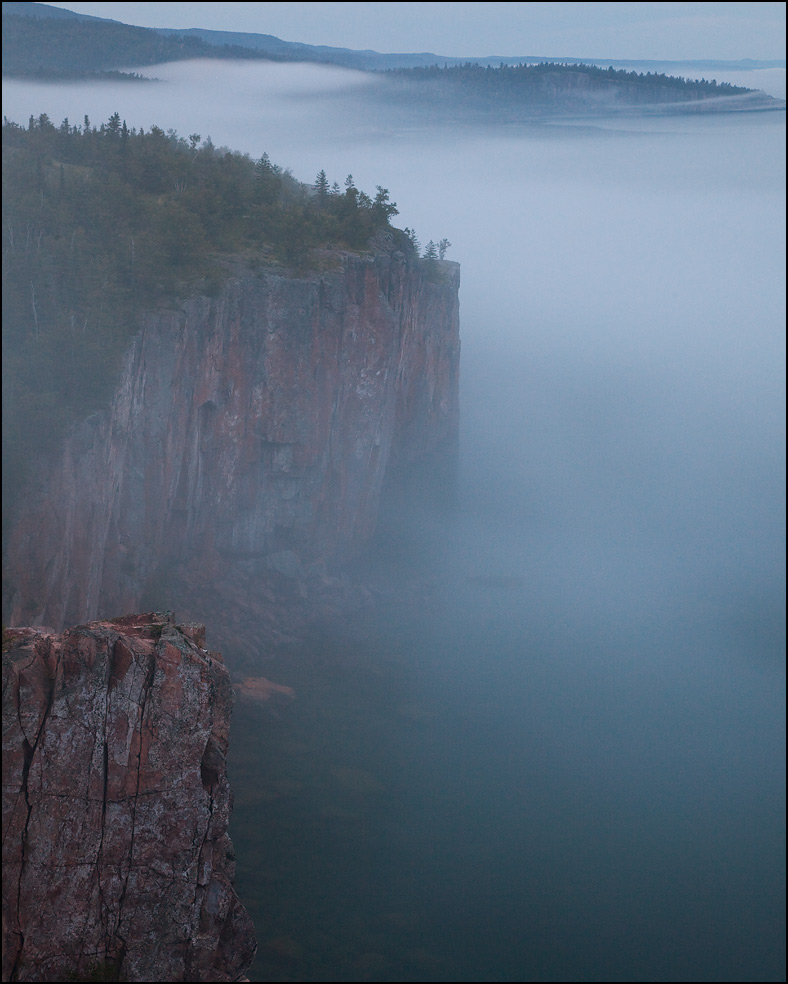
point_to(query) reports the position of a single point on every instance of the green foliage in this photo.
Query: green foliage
(508, 77)
(430, 264)
(103, 223)
(413, 239)
(322, 189)
(526, 88)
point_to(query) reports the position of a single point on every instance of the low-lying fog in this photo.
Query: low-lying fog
(614, 808)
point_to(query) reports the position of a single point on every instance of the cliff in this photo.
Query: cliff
(244, 452)
(116, 859)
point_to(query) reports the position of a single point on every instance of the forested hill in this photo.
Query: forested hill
(526, 91)
(54, 47)
(102, 223)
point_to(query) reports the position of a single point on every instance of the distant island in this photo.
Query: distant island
(521, 92)
(44, 42)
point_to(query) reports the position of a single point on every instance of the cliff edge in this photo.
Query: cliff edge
(244, 452)
(116, 858)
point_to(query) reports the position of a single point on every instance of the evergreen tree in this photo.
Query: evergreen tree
(321, 188)
(384, 208)
(414, 241)
(268, 182)
(263, 167)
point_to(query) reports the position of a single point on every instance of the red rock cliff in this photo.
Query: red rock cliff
(248, 440)
(116, 802)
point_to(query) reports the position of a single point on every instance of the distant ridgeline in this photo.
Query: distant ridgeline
(53, 47)
(41, 41)
(103, 223)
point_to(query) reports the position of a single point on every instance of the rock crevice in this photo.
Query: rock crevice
(115, 852)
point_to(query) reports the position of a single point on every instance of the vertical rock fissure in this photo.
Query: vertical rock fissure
(104, 809)
(104, 907)
(147, 686)
(29, 752)
(199, 889)
(104, 913)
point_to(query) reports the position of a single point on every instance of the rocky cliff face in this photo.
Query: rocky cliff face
(245, 449)
(116, 859)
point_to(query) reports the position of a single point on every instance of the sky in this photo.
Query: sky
(670, 31)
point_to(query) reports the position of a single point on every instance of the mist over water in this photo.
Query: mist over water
(579, 738)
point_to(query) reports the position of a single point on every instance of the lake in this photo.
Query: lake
(561, 755)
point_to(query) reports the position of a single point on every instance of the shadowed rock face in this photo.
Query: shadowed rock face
(246, 447)
(116, 805)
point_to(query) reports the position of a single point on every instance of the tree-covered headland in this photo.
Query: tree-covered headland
(525, 91)
(101, 223)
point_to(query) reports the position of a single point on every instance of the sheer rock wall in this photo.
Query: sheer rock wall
(245, 449)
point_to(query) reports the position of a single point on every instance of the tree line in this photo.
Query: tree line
(101, 222)
(509, 90)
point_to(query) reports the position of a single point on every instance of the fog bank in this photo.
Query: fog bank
(596, 789)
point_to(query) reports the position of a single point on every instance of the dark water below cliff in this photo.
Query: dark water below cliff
(561, 757)
(491, 790)
(564, 760)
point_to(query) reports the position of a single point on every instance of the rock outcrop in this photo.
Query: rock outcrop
(245, 450)
(116, 858)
